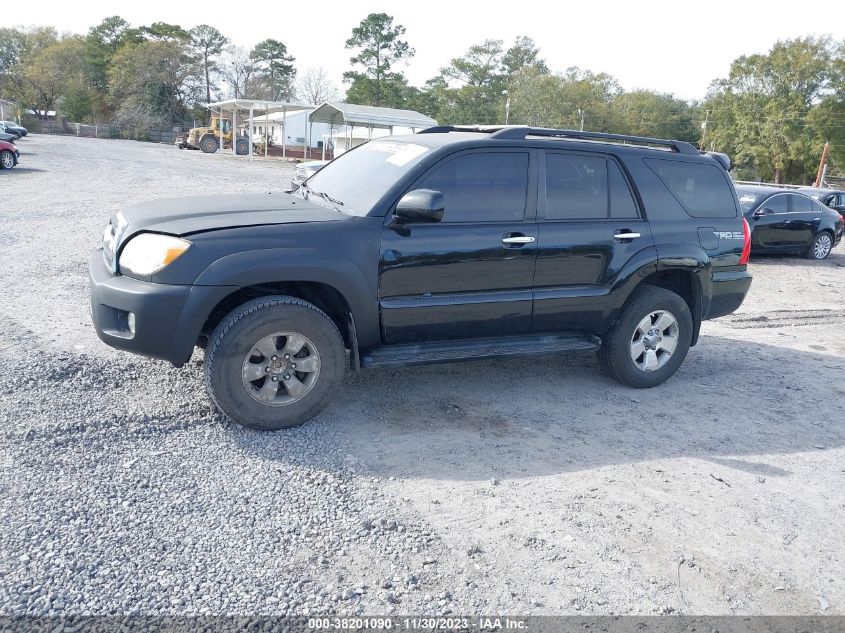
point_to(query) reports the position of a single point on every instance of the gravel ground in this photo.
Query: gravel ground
(452, 489)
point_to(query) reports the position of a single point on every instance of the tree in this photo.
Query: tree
(763, 113)
(163, 32)
(476, 85)
(523, 54)
(208, 43)
(646, 113)
(275, 69)
(238, 70)
(380, 47)
(560, 100)
(48, 73)
(101, 43)
(315, 86)
(157, 76)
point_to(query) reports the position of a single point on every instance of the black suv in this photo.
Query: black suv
(451, 244)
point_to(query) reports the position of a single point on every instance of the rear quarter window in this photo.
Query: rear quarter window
(702, 190)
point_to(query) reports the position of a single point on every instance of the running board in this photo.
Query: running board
(470, 349)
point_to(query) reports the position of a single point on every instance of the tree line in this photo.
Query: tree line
(772, 113)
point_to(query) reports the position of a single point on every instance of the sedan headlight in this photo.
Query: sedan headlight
(148, 253)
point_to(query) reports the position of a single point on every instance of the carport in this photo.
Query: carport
(252, 108)
(349, 115)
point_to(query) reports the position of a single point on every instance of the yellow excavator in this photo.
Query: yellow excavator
(207, 138)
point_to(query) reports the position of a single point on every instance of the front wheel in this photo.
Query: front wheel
(209, 145)
(821, 246)
(650, 340)
(7, 160)
(274, 363)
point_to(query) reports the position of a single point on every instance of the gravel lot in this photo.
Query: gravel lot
(469, 488)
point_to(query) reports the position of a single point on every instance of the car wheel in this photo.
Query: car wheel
(209, 145)
(274, 363)
(650, 340)
(7, 159)
(821, 246)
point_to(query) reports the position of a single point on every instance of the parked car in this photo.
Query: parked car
(451, 244)
(14, 128)
(9, 155)
(785, 221)
(304, 171)
(8, 137)
(832, 198)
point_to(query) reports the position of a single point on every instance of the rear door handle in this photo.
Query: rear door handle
(518, 240)
(625, 235)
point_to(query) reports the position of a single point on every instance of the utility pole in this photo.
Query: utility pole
(704, 129)
(581, 114)
(822, 164)
(507, 105)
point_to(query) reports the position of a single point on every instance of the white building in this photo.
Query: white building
(295, 128)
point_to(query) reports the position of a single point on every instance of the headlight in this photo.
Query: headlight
(148, 253)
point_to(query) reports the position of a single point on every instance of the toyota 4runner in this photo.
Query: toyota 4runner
(451, 244)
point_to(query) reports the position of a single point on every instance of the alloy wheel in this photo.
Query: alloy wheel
(822, 246)
(654, 340)
(281, 369)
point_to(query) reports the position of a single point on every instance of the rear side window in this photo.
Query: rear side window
(800, 204)
(622, 205)
(576, 187)
(701, 189)
(481, 187)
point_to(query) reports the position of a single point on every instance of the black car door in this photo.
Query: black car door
(769, 222)
(590, 227)
(470, 274)
(804, 216)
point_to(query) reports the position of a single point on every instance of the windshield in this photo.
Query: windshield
(748, 200)
(359, 178)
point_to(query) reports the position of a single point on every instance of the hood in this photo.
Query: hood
(184, 216)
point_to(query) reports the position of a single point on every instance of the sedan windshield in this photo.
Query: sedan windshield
(358, 179)
(748, 200)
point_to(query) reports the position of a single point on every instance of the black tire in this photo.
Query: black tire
(7, 159)
(242, 147)
(236, 335)
(820, 247)
(615, 353)
(209, 145)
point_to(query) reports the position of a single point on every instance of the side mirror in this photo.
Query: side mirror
(421, 205)
(759, 213)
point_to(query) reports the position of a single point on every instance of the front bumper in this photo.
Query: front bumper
(168, 319)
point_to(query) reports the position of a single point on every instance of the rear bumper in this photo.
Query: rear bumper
(728, 290)
(168, 319)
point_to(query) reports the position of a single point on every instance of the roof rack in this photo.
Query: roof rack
(520, 132)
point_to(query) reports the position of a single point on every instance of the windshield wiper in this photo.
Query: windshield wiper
(322, 194)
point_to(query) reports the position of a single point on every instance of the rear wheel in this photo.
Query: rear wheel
(7, 160)
(209, 145)
(650, 340)
(821, 246)
(242, 147)
(274, 363)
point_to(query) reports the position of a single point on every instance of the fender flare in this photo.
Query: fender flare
(275, 265)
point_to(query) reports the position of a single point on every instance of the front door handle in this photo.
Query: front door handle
(626, 235)
(517, 240)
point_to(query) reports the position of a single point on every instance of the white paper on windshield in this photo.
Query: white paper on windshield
(409, 152)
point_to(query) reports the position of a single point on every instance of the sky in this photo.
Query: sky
(674, 47)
